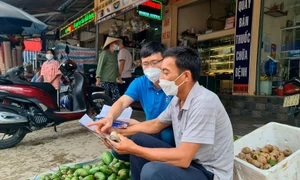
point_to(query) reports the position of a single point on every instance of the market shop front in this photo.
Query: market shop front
(230, 37)
(209, 27)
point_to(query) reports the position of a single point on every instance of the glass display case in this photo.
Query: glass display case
(217, 55)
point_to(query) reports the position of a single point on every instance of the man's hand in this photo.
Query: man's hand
(125, 146)
(119, 80)
(98, 82)
(103, 126)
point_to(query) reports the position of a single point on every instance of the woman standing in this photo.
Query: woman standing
(50, 72)
(107, 73)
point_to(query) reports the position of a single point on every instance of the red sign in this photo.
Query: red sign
(152, 5)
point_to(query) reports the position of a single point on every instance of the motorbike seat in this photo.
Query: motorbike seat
(46, 87)
(78, 96)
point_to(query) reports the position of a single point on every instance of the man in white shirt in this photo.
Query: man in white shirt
(125, 65)
(202, 129)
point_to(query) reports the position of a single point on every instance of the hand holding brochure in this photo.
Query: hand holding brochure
(121, 122)
(87, 120)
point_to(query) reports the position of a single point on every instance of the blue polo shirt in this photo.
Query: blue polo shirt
(154, 101)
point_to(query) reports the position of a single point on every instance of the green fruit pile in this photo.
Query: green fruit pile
(109, 168)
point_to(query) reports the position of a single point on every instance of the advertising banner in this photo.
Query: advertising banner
(107, 9)
(242, 46)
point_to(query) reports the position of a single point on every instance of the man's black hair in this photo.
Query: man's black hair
(151, 48)
(185, 59)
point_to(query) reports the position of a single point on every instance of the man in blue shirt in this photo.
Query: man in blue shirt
(146, 90)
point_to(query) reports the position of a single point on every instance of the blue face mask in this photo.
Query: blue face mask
(116, 48)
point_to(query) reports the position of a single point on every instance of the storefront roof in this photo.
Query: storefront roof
(55, 13)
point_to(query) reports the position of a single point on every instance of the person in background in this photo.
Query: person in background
(37, 75)
(146, 90)
(138, 69)
(107, 74)
(49, 70)
(125, 65)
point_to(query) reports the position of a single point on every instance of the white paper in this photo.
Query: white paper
(86, 120)
(126, 114)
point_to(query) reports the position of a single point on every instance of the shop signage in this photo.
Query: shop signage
(242, 45)
(295, 53)
(107, 9)
(151, 9)
(166, 27)
(78, 23)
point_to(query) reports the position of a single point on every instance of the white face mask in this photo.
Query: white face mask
(49, 56)
(169, 87)
(116, 48)
(152, 74)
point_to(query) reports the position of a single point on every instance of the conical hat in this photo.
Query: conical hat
(110, 40)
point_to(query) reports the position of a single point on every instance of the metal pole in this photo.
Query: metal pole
(97, 42)
(260, 32)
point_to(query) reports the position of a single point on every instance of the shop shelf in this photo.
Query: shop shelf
(225, 62)
(216, 34)
(275, 13)
(216, 48)
(222, 55)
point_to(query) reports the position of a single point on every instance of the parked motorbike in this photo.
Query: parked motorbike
(291, 89)
(28, 107)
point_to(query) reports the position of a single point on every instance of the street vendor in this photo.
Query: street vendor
(146, 90)
(202, 128)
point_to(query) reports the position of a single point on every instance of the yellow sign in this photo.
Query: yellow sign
(107, 9)
(291, 100)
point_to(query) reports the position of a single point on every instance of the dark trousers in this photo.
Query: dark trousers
(123, 87)
(126, 157)
(111, 90)
(145, 170)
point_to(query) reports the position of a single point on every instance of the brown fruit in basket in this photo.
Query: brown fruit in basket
(275, 148)
(266, 155)
(287, 152)
(265, 150)
(267, 166)
(269, 147)
(255, 152)
(246, 150)
(262, 159)
(248, 158)
(275, 152)
(241, 155)
(256, 163)
(280, 157)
